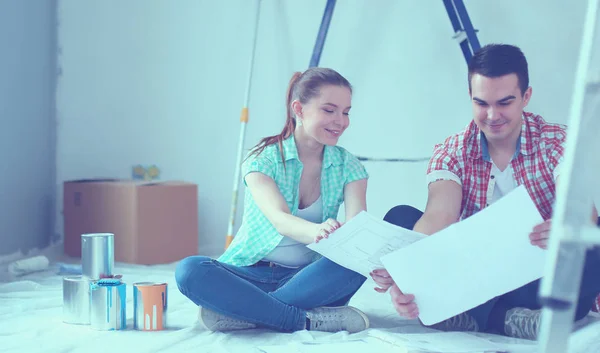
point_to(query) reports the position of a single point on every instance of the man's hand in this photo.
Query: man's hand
(404, 303)
(383, 279)
(540, 234)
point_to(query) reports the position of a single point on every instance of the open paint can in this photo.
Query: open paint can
(108, 300)
(76, 300)
(149, 306)
(97, 255)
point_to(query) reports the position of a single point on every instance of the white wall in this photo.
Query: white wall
(164, 84)
(27, 134)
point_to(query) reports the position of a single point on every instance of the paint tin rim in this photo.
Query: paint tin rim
(76, 278)
(150, 284)
(91, 235)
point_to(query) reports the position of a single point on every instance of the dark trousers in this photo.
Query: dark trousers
(490, 315)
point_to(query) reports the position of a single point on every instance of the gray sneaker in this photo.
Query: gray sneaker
(335, 319)
(217, 322)
(460, 322)
(522, 323)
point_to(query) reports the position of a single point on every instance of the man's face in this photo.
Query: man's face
(498, 106)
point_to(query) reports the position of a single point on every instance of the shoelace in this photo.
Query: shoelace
(327, 317)
(225, 322)
(523, 324)
(461, 322)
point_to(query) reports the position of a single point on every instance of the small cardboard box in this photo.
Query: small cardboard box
(153, 222)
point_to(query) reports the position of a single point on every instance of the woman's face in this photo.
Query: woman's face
(326, 116)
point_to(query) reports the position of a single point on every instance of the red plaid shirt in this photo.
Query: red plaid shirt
(539, 152)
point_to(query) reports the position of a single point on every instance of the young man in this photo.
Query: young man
(501, 148)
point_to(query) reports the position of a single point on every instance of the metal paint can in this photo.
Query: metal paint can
(107, 302)
(149, 306)
(76, 300)
(97, 255)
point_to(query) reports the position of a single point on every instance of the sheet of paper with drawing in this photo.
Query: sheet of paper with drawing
(361, 242)
(472, 261)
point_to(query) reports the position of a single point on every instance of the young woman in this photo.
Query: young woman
(296, 182)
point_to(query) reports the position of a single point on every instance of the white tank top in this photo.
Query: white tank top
(291, 253)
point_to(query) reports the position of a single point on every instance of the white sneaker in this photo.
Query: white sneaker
(335, 319)
(522, 323)
(213, 321)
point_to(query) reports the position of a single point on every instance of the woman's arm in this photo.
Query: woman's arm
(271, 203)
(355, 198)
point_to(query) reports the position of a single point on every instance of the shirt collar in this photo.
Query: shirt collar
(330, 155)
(290, 151)
(526, 144)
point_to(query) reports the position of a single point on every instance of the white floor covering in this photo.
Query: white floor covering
(31, 321)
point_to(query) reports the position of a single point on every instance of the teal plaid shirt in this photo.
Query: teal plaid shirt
(257, 236)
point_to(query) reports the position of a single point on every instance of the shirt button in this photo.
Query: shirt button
(492, 177)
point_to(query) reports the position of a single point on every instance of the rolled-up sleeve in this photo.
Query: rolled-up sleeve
(443, 166)
(261, 164)
(355, 170)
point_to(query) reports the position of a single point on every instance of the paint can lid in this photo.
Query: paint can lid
(107, 282)
(111, 276)
(77, 278)
(97, 235)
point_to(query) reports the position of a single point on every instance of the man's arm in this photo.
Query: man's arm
(541, 233)
(443, 207)
(556, 159)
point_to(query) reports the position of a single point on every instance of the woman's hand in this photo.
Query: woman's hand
(383, 279)
(324, 229)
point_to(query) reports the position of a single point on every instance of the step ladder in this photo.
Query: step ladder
(572, 231)
(464, 32)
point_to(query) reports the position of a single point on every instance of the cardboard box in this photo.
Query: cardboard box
(153, 222)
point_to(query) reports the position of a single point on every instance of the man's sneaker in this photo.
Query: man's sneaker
(335, 319)
(522, 323)
(460, 322)
(217, 322)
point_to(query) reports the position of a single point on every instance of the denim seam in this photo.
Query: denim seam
(244, 276)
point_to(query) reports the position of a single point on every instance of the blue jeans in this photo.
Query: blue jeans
(490, 315)
(273, 297)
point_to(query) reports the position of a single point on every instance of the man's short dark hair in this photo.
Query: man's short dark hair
(495, 60)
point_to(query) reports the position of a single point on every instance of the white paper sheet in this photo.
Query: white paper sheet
(31, 313)
(361, 242)
(472, 261)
